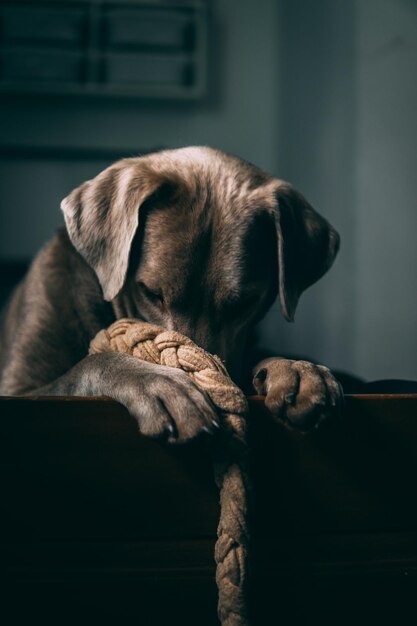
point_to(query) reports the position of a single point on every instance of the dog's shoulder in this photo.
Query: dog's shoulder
(52, 315)
(59, 284)
(59, 267)
(58, 256)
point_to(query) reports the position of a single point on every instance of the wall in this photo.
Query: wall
(315, 144)
(348, 139)
(239, 116)
(320, 92)
(385, 170)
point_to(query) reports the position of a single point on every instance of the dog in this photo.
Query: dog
(193, 240)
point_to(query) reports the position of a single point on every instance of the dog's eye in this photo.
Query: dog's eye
(242, 305)
(153, 296)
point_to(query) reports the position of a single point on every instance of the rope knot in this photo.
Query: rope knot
(157, 345)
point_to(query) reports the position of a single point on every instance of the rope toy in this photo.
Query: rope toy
(157, 345)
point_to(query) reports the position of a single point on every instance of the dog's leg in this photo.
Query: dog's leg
(298, 393)
(164, 400)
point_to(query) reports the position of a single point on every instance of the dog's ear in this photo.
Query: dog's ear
(102, 217)
(307, 246)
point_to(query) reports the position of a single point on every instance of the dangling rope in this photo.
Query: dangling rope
(157, 345)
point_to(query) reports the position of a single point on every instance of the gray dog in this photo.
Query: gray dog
(192, 240)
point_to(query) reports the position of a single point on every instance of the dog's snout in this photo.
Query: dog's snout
(203, 333)
(211, 343)
(219, 341)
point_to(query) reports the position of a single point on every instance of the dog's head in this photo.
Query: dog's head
(199, 241)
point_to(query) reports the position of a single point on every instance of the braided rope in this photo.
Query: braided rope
(157, 345)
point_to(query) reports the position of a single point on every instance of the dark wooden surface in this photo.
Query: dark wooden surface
(100, 525)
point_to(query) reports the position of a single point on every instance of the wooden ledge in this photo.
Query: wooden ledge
(108, 481)
(125, 526)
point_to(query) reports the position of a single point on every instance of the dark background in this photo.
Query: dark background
(320, 92)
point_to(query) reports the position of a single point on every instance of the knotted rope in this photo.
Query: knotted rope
(157, 345)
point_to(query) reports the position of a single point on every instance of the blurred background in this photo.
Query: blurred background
(322, 93)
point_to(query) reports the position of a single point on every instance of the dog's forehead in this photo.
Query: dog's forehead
(218, 193)
(207, 231)
(227, 176)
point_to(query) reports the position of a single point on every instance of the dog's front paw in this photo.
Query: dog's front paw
(167, 404)
(298, 393)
